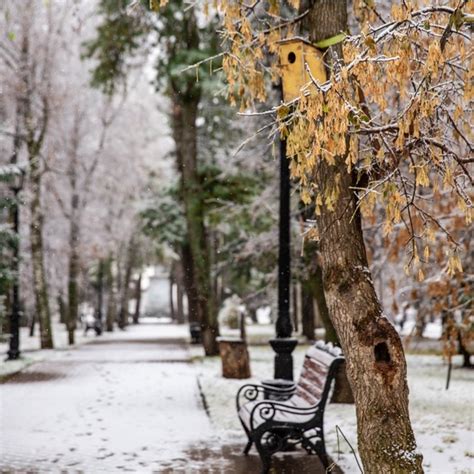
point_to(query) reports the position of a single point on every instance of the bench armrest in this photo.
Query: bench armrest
(251, 392)
(268, 409)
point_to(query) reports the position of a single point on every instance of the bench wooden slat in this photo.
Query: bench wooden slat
(312, 394)
(313, 378)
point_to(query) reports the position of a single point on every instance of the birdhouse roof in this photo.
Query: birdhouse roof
(295, 39)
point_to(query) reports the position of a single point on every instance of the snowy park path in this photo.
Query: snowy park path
(125, 402)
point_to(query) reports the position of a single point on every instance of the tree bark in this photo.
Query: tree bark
(185, 116)
(125, 287)
(188, 282)
(111, 313)
(37, 255)
(171, 280)
(374, 354)
(179, 294)
(307, 309)
(185, 111)
(100, 293)
(317, 289)
(179, 303)
(62, 308)
(314, 284)
(138, 299)
(32, 323)
(35, 132)
(235, 359)
(74, 230)
(73, 274)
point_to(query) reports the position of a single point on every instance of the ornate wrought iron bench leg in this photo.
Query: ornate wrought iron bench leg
(320, 449)
(248, 446)
(265, 455)
(324, 459)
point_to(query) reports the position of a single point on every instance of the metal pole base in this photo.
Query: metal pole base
(13, 355)
(283, 347)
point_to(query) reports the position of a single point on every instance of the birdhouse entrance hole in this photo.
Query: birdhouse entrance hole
(291, 57)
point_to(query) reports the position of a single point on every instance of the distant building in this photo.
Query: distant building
(156, 289)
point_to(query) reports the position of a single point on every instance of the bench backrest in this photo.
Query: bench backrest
(319, 368)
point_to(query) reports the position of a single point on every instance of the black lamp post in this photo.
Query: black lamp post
(284, 344)
(14, 347)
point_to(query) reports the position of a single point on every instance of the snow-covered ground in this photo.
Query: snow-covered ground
(442, 419)
(125, 402)
(31, 351)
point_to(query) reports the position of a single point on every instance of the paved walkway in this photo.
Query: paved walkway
(126, 402)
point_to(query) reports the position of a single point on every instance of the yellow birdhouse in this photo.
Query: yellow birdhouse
(294, 54)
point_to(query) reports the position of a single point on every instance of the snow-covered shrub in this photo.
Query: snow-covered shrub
(230, 313)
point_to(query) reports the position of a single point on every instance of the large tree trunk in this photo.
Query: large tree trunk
(314, 286)
(185, 136)
(35, 131)
(186, 95)
(37, 255)
(376, 364)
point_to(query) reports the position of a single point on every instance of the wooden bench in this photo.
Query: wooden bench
(298, 419)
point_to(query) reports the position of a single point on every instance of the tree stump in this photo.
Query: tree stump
(235, 358)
